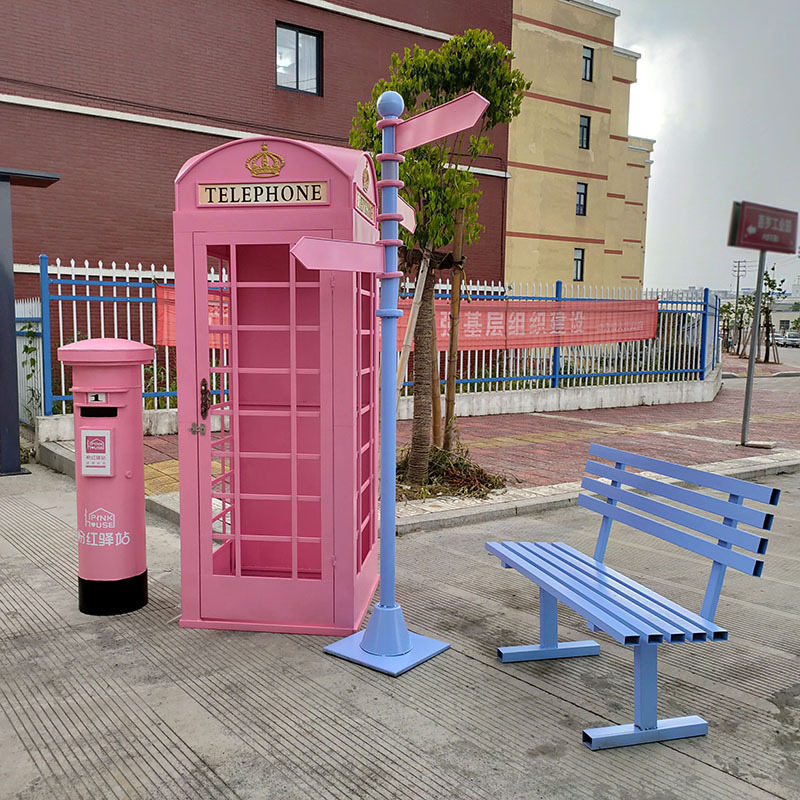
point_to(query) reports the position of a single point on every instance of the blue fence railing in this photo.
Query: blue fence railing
(685, 347)
(81, 301)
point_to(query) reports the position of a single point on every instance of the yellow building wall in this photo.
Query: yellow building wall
(546, 164)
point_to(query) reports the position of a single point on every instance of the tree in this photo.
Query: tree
(726, 315)
(773, 290)
(434, 184)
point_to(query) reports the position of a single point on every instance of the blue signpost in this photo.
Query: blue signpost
(387, 645)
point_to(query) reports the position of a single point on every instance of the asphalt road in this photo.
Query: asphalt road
(790, 356)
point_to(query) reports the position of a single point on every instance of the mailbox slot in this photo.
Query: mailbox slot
(98, 411)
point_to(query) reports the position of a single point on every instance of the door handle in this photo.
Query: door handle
(205, 398)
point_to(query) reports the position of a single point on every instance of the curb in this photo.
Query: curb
(788, 374)
(60, 459)
(550, 498)
(755, 467)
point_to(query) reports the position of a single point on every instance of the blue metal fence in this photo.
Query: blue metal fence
(82, 301)
(686, 346)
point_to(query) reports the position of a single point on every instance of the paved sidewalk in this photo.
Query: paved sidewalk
(542, 449)
(134, 707)
(733, 365)
(543, 455)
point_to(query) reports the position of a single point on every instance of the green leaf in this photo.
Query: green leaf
(472, 61)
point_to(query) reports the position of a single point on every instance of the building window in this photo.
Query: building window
(588, 63)
(580, 202)
(577, 260)
(583, 132)
(298, 56)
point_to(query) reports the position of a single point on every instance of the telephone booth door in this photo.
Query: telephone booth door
(264, 462)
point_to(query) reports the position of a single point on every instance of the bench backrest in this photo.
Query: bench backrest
(668, 520)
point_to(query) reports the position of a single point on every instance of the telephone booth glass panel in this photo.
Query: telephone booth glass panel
(262, 505)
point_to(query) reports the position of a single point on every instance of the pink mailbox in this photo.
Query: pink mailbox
(109, 473)
(276, 389)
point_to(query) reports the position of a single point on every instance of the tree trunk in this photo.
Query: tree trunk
(436, 386)
(421, 427)
(450, 434)
(411, 327)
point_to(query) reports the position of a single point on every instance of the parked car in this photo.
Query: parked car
(780, 338)
(792, 339)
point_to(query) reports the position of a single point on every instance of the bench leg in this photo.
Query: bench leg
(647, 727)
(549, 646)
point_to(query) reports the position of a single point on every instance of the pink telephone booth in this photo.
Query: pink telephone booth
(277, 382)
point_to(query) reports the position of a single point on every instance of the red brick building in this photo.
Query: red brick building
(116, 96)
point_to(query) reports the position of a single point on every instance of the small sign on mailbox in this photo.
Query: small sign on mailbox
(763, 228)
(95, 452)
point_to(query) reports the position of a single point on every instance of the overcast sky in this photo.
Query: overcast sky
(718, 88)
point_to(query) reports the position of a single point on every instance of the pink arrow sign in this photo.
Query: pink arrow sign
(409, 221)
(314, 253)
(452, 117)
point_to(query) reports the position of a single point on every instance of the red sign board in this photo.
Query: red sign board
(763, 228)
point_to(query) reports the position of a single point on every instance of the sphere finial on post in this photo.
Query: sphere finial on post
(390, 104)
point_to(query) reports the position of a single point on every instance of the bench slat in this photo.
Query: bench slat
(679, 516)
(688, 617)
(689, 497)
(710, 480)
(624, 627)
(612, 593)
(688, 541)
(623, 634)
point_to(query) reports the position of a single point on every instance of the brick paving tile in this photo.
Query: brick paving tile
(542, 449)
(732, 363)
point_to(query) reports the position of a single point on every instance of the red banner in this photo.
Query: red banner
(489, 324)
(505, 324)
(218, 314)
(165, 316)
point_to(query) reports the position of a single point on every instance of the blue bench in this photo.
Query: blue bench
(624, 609)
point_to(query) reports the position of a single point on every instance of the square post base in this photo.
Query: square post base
(624, 735)
(20, 471)
(538, 652)
(422, 649)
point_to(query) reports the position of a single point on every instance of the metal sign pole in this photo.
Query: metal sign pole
(751, 364)
(9, 411)
(387, 645)
(9, 395)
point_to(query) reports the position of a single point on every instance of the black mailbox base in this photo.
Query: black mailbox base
(104, 598)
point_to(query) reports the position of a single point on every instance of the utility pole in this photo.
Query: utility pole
(739, 270)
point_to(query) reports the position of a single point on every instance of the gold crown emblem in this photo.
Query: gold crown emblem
(264, 163)
(365, 179)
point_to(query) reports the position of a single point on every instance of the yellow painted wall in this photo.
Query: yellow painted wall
(546, 163)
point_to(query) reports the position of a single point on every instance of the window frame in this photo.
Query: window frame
(587, 59)
(588, 128)
(297, 30)
(578, 264)
(580, 208)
